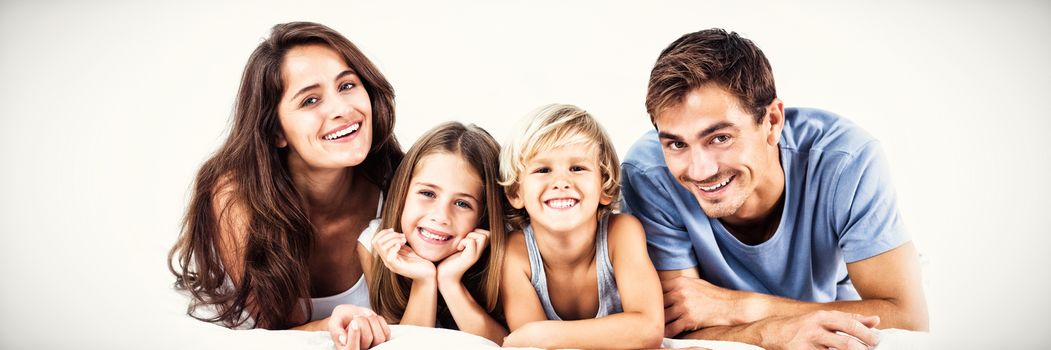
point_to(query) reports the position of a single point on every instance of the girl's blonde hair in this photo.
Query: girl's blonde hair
(550, 127)
(389, 292)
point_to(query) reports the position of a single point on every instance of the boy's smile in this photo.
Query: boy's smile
(561, 188)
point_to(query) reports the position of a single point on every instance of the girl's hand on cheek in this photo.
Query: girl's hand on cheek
(399, 257)
(470, 249)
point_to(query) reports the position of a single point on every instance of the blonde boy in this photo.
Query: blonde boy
(576, 275)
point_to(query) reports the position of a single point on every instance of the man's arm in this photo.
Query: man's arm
(888, 283)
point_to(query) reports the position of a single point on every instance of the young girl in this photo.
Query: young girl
(575, 276)
(270, 233)
(433, 264)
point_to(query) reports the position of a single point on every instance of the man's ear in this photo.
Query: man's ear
(774, 121)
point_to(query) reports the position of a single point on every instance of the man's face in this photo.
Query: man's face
(719, 153)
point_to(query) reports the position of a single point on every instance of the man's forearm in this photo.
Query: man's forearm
(892, 313)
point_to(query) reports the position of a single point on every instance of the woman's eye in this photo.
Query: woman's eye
(346, 86)
(463, 204)
(310, 101)
(428, 194)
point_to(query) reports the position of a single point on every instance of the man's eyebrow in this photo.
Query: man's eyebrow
(716, 127)
(669, 136)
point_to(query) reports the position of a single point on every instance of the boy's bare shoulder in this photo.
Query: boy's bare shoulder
(516, 253)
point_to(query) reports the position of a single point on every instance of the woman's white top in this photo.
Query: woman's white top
(358, 294)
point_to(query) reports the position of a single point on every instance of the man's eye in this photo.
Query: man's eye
(721, 139)
(676, 145)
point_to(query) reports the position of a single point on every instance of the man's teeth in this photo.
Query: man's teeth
(343, 132)
(716, 186)
(436, 237)
(561, 203)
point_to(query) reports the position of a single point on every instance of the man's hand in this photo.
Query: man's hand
(819, 329)
(693, 303)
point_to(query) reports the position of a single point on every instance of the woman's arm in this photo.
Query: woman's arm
(641, 325)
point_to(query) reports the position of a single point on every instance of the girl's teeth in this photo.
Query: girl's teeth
(429, 235)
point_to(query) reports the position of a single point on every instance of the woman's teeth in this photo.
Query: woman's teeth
(344, 132)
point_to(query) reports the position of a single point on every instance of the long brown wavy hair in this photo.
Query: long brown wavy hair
(388, 291)
(280, 236)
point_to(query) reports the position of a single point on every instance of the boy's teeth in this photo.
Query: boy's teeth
(561, 203)
(343, 132)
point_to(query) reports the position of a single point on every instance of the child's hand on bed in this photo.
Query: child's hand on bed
(469, 249)
(355, 327)
(399, 257)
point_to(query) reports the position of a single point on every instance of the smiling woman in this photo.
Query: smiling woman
(269, 239)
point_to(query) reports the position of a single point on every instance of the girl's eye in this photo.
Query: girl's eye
(310, 101)
(427, 193)
(346, 86)
(463, 204)
(676, 145)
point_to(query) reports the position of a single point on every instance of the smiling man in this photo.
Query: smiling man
(768, 225)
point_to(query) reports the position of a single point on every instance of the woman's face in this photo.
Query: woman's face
(442, 205)
(325, 112)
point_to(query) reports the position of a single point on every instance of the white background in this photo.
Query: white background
(107, 110)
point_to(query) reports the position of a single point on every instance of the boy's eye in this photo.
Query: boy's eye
(310, 101)
(541, 170)
(463, 204)
(346, 86)
(577, 168)
(427, 193)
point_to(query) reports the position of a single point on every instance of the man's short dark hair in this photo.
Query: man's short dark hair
(711, 56)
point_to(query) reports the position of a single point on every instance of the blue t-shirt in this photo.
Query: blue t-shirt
(840, 207)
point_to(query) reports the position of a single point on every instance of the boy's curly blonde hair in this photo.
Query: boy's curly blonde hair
(550, 127)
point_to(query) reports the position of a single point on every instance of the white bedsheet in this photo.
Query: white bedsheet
(187, 333)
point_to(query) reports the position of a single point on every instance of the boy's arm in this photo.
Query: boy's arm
(639, 326)
(520, 302)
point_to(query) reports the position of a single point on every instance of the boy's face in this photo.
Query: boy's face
(718, 152)
(561, 189)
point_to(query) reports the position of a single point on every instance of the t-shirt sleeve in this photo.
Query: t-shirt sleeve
(648, 198)
(865, 206)
(366, 236)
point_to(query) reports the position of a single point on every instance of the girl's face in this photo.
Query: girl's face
(561, 189)
(442, 205)
(325, 112)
